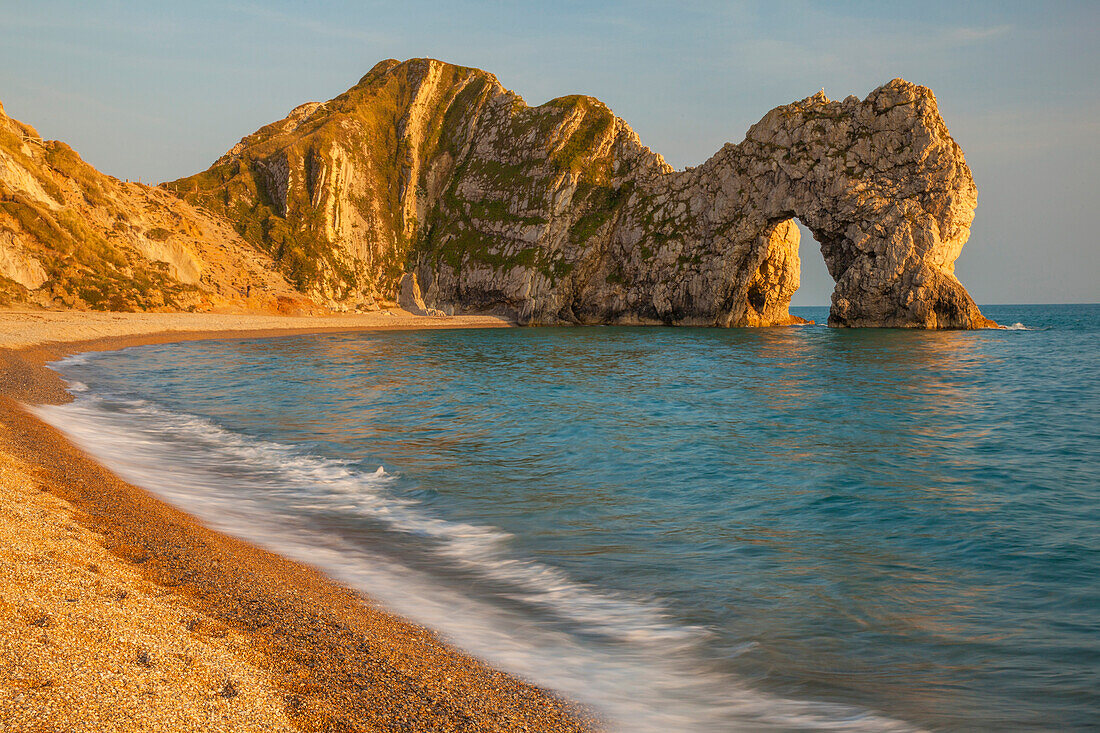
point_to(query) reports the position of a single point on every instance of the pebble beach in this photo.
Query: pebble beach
(122, 613)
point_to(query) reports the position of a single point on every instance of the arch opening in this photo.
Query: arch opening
(786, 268)
(815, 288)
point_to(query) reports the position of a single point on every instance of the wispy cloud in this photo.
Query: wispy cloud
(973, 34)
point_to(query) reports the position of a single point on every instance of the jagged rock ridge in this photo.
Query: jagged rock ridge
(559, 213)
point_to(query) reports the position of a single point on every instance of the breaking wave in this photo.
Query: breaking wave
(624, 655)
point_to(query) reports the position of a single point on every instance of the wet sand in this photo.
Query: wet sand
(119, 612)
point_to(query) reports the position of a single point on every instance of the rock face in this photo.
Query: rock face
(880, 183)
(434, 179)
(559, 213)
(73, 237)
(410, 298)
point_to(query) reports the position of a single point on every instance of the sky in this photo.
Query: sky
(154, 90)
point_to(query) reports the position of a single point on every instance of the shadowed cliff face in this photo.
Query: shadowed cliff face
(560, 214)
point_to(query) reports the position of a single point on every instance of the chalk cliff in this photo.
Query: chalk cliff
(431, 178)
(73, 237)
(560, 214)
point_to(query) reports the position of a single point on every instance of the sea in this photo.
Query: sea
(688, 529)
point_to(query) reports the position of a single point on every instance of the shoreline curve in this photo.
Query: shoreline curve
(193, 628)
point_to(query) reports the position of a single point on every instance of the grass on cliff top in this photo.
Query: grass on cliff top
(63, 159)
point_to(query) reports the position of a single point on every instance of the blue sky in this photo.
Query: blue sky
(156, 90)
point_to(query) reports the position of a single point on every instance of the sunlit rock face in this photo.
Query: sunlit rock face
(621, 238)
(558, 213)
(72, 237)
(882, 186)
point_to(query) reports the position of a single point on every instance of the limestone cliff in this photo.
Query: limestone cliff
(560, 214)
(73, 237)
(437, 176)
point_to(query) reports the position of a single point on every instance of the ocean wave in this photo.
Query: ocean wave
(312, 483)
(624, 655)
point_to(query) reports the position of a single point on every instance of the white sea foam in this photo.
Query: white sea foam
(74, 360)
(624, 655)
(1018, 327)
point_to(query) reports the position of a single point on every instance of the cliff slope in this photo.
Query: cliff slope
(73, 237)
(560, 214)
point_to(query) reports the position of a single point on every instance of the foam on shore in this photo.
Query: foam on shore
(622, 654)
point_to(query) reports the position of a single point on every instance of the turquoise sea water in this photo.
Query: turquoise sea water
(691, 529)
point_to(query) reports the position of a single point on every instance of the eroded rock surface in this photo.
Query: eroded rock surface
(880, 183)
(410, 298)
(558, 213)
(561, 214)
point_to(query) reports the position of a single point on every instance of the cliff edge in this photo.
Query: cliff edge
(437, 176)
(560, 214)
(72, 237)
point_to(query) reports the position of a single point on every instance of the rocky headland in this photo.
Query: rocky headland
(434, 181)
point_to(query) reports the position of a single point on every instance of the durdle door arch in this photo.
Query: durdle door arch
(880, 183)
(885, 191)
(559, 213)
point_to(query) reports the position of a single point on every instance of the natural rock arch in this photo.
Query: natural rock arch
(880, 183)
(559, 213)
(883, 188)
